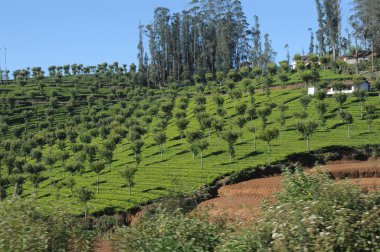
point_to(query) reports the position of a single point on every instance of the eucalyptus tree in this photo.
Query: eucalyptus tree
(268, 135)
(128, 174)
(306, 128)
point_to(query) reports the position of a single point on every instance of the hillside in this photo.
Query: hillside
(76, 121)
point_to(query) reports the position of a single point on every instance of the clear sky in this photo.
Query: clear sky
(49, 32)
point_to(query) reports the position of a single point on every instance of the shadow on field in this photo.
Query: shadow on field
(176, 145)
(229, 163)
(182, 152)
(154, 154)
(158, 188)
(241, 143)
(215, 153)
(44, 196)
(175, 138)
(337, 125)
(161, 161)
(251, 154)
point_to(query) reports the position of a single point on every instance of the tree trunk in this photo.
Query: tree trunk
(201, 155)
(348, 130)
(161, 151)
(97, 183)
(308, 144)
(15, 189)
(130, 189)
(361, 110)
(372, 59)
(268, 152)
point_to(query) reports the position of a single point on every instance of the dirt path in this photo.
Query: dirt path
(242, 201)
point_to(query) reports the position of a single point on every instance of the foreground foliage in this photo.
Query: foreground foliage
(313, 213)
(25, 227)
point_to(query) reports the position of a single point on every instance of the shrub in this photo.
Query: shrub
(170, 232)
(27, 227)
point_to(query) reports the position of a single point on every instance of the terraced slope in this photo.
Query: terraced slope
(177, 171)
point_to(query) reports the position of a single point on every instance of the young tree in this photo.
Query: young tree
(370, 110)
(263, 114)
(34, 171)
(136, 147)
(322, 110)
(360, 94)
(348, 119)
(230, 137)
(218, 125)
(305, 100)
(74, 168)
(306, 128)
(84, 196)
(129, 175)
(340, 98)
(50, 161)
(70, 183)
(202, 145)
(283, 108)
(182, 124)
(160, 138)
(241, 108)
(107, 155)
(268, 135)
(240, 122)
(97, 167)
(253, 129)
(64, 155)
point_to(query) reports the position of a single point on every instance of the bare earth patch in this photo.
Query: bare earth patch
(242, 202)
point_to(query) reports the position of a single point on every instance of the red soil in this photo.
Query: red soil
(242, 201)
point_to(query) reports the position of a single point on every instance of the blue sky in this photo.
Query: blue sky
(45, 32)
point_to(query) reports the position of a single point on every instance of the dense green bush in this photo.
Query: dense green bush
(170, 232)
(27, 227)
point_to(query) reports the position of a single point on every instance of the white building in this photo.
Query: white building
(349, 88)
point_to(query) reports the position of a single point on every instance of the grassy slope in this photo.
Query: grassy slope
(178, 171)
